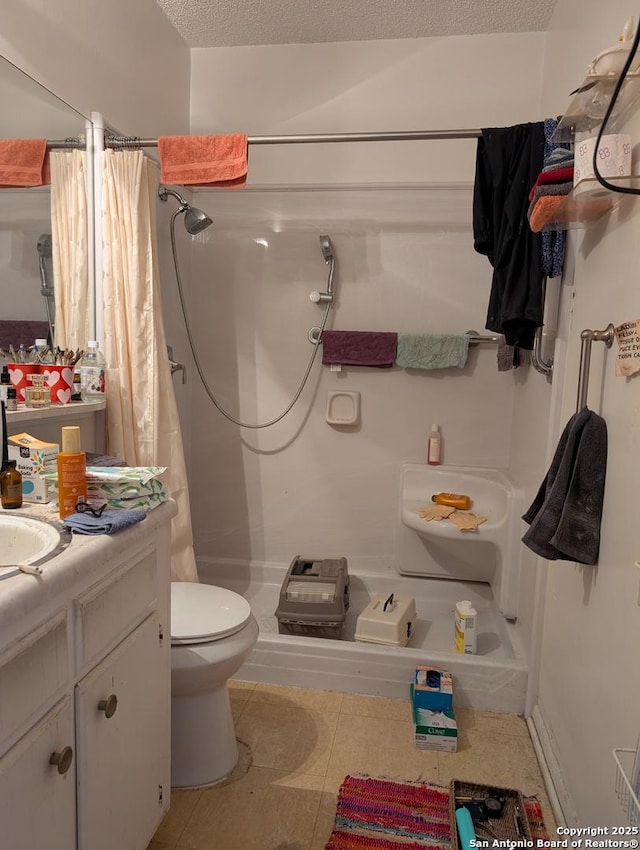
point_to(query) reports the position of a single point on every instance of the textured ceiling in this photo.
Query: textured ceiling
(232, 23)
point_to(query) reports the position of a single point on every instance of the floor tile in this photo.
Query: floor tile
(265, 810)
(380, 747)
(183, 803)
(384, 707)
(510, 762)
(479, 724)
(325, 820)
(287, 738)
(296, 747)
(298, 697)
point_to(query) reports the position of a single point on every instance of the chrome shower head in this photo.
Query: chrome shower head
(327, 249)
(195, 220)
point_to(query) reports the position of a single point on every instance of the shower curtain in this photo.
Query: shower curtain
(142, 416)
(69, 242)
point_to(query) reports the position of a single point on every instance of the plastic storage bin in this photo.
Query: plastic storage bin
(314, 598)
(387, 619)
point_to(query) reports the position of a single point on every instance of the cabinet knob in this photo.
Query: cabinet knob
(62, 759)
(108, 705)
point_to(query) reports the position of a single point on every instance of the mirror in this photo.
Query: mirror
(28, 110)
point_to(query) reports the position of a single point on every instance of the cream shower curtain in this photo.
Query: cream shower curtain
(142, 416)
(70, 251)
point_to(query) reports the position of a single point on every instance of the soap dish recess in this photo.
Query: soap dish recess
(343, 407)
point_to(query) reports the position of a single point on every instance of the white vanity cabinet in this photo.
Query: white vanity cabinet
(85, 694)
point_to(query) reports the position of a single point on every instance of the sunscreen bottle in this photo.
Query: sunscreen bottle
(72, 472)
(454, 500)
(465, 628)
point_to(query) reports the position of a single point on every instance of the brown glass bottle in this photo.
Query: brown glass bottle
(11, 486)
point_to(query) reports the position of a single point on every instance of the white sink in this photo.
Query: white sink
(26, 540)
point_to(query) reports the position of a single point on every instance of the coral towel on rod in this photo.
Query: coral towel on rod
(24, 162)
(204, 160)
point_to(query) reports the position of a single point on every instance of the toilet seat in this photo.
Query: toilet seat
(201, 613)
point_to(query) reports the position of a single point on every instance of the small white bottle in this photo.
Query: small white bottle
(433, 446)
(92, 373)
(465, 628)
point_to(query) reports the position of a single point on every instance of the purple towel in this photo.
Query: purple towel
(359, 348)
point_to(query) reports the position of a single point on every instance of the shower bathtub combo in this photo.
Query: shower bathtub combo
(435, 563)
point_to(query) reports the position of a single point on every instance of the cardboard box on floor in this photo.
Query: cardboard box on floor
(435, 727)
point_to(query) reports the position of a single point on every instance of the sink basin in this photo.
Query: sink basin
(27, 540)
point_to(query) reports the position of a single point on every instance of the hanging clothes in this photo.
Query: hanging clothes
(508, 162)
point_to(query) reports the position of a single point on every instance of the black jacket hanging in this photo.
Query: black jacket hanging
(508, 162)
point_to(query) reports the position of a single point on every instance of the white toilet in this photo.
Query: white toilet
(212, 633)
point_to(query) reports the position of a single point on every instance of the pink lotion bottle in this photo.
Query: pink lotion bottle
(433, 446)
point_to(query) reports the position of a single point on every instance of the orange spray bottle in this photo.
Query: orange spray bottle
(72, 472)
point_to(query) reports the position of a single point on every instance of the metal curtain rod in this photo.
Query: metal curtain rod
(400, 136)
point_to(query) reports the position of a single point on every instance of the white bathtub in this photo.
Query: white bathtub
(495, 679)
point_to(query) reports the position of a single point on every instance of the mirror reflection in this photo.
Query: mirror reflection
(27, 308)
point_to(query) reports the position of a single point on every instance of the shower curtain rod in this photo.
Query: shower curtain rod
(399, 136)
(135, 142)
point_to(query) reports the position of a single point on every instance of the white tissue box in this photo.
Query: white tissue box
(37, 489)
(614, 158)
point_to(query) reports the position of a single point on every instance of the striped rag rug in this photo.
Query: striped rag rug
(382, 814)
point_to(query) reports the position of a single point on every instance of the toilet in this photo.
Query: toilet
(212, 633)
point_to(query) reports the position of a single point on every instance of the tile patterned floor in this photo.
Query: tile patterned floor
(298, 745)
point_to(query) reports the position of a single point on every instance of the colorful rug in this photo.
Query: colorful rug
(381, 814)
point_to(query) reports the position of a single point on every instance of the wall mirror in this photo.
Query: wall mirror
(29, 110)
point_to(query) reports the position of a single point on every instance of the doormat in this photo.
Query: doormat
(382, 814)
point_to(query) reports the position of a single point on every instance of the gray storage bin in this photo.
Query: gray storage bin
(314, 598)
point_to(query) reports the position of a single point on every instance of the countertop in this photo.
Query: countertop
(26, 599)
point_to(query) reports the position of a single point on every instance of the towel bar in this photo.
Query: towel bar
(474, 337)
(588, 336)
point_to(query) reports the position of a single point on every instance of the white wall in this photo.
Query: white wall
(416, 84)
(589, 683)
(119, 58)
(303, 485)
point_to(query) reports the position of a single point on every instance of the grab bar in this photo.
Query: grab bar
(588, 336)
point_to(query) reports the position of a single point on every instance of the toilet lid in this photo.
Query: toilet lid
(202, 612)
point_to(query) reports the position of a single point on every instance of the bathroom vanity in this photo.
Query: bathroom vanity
(85, 693)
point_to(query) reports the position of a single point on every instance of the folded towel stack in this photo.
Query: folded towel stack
(107, 523)
(432, 351)
(123, 487)
(547, 200)
(204, 160)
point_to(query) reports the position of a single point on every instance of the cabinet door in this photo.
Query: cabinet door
(38, 798)
(124, 740)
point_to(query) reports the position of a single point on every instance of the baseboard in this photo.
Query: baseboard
(560, 799)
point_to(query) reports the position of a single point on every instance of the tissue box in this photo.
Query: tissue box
(435, 730)
(37, 489)
(432, 689)
(614, 159)
(32, 456)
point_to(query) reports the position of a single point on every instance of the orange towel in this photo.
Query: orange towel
(204, 160)
(24, 162)
(556, 212)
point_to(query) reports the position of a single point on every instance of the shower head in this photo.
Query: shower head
(327, 249)
(45, 246)
(195, 220)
